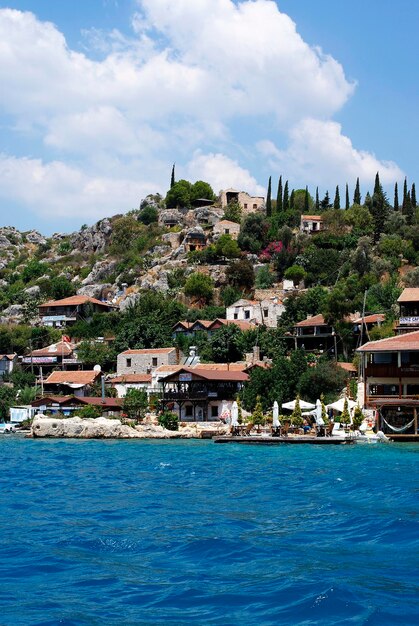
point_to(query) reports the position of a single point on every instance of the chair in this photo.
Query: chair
(285, 429)
(329, 429)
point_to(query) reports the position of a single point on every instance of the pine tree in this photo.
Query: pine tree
(336, 202)
(325, 203)
(279, 196)
(347, 197)
(413, 196)
(257, 415)
(408, 209)
(345, 418)
(324, 412)
(172, 178)
(379, 209)
(357, 193)
(317, 200)
(292, 200)
(286, 201)
(268, 198)
(306, 204)
(396, 198)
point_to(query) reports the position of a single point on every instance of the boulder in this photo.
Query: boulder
(34, 237)
(93, 238)
(76, 427)
(93, 291)
(130, 300)
(100, 270)
(33, 292)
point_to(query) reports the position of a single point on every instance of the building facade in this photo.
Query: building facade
(61, 313)
(265, 312)
(310, 224)
(249, 204)
(226, 227)
(409, 310)
(146, 360)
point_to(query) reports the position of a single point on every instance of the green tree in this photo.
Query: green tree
(88, 411)
(325, 203)
(268, 198)
(264, 278)
(336, 202)
(233, 212)
(201, 189)
(257, 415)
(413, 196)
(33, 269)
(357, 418)
(92, 353)
(357, 193)
(240, 274)
(135, 404)
(286, 200)
(226, 344)
(317, 201)
(326, 377)
(296, 273)
(180, 195)
(396, 198)
(61, 287)
(345, 418)
(347, 197)
(227, 247)
(297, 416)
(148, 215)
(279, 206)
(172, 178)
(168, 420)
(199, 286)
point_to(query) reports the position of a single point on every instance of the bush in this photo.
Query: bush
(169, 420)
(199, 286)
(89, 412)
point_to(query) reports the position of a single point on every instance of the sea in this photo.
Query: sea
(191, 532)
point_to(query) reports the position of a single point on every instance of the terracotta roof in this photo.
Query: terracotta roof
(149, 351)
(209, 374)
(163, 369)
(183, 323)
(348, 367)
(371, 319)
(316, 320)
(408, 341)
(204, 323)
(80, 377)
(410, 294)
(74, 301)
(243, 302)
(131, 378)
(242, 324)
(263, 364)
(62, 348)
(311, 217)
(228, 222)
(98, 401)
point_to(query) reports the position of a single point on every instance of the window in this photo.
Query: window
(245, 205)
(227, 231)
(214, 411)
(129, 363)
(154, 361)
(189, 410)
(236, 316)
(247, 315)
(265, 312)
(255, 206)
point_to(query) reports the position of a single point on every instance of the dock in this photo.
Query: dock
(273, 441)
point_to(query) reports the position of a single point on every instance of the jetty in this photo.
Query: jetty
(293, 440)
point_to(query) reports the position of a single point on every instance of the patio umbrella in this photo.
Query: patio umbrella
(275, 420)
(303, 405)
(339, 405)
(234, 414)
(318, 413)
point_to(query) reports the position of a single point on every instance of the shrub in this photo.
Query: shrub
(169, 420)
(89, 412)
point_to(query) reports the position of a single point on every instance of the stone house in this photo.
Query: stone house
(129, 381)
(311, 224)
(250, 204)
(58, 313)
(78, 383)
(265, 312)
(226, 227)
(146, 360)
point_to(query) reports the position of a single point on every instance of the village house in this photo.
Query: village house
(390, 378)
(315, 335)
(195, 240)
(7, 364)
(250, 204)
(79, 383)
(310, 224)
(61, 354)
(409, 310)
(202, 394)
(189, 329)
(60, 313)
(122, 383)
(363, 325)
(68, 405)
(226, 227)
(265, 312)
(144, 361)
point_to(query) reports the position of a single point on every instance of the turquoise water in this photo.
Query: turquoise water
(189, 532)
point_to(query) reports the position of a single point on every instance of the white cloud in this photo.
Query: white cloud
(222, 173)
(319, 154)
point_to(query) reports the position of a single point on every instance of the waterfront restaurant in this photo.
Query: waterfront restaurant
(390, 373)
(201, 395)
(59, 313)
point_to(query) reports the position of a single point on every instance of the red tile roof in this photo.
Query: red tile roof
(348, 367)
(131, 378)
(315, 320)
(80, 377)
(410, 294)
(209, 374)
(62, 348)
(312, 217)
(408, 341)
(371, 319)
(221, 367)
(74, 301)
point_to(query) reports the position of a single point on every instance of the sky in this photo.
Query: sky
(98, 99)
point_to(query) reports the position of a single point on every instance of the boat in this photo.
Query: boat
(6, 428)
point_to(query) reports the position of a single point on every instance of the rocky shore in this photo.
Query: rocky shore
(104, 428)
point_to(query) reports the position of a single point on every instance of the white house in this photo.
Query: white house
(265, 312)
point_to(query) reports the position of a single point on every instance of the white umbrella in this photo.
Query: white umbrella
(318, 413)
(303, 405)
(234, 414)
(275, 420)
(339, 405)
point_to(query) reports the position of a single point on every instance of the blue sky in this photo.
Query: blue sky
(97, 103)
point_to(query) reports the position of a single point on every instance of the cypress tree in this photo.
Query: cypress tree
(357, 193)
(404, 194)
(306, 202)
(413, 196)
(292, 200)
(279, 196)
(172, 178)
(317, 200)
(347, 197)
(396, 198)
(286, 201)
(379, 210)
(268, 198)
(377, 186)
(336, 202)
(325, 203)
(408, 209)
